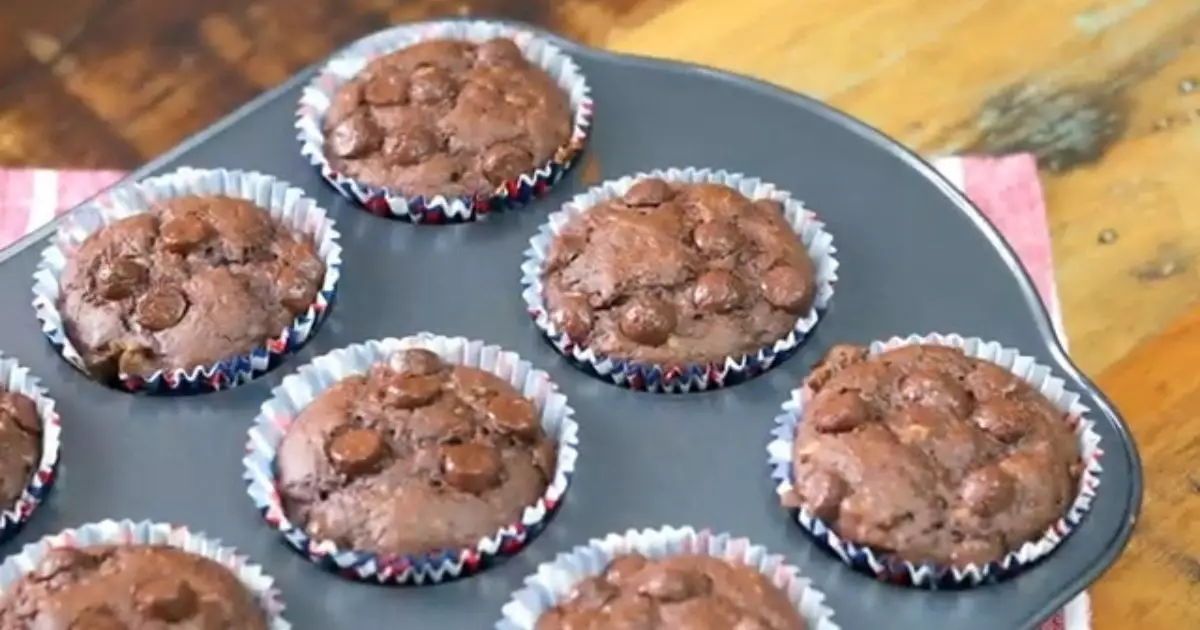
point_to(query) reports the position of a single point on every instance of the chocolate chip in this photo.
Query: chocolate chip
(935, 388)
(648, 321)
(161, 308)
(512, 415)
(182, 234)
(168, 598)
(624, 567)
(987, 490)
(355, 136)
(717, 238)
(822, 491)
(120, 278)
(1000, 419)
(430, 85)
(386, 88)
(416, 362)
(411, 144)
(670, 584)
(498, 52)
(471, 467)
(98, 617)
(648, 192)
(357, 451)
(503, 162)
(573, 317)
(296, 291)
(785, 287)
(833, 411)
(64, 561)
(718, 291)
(838, 358)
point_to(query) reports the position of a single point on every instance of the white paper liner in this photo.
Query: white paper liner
(298, 390)
(318, 95)
(126, 532)
(15, 378)
(697, 377)
(892, 569)
(281, 200)
(554, 580)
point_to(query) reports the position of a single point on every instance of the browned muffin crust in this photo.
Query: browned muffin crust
(413, 457)
(678, 273)
(20, 445)
(932, 455)
(447, 117)
(116, 587)
(193, 281)
(687, 592)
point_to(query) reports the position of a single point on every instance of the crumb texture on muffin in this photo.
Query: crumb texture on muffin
(691, 592)
(20, 445)
(678, 273)
(935, 456)
(114, 587)
(193, 281)
(415, 456)
(446, 117)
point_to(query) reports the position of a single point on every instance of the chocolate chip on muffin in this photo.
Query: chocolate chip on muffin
(415, 456)
(931, 455)
(678, 273)
(447, 117)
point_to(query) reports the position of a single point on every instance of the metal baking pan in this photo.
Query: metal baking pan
(916, 257)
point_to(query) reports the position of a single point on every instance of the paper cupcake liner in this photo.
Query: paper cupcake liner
(554, 580)
(693, 377)
(14, 378)
(283, 201)
(318, 95)
(298, 390)
(889, 568)
(110, 532)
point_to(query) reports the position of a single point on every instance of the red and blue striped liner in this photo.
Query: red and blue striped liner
(299, 389)
(281, 200)
(684, 378)
(17, 379)
(888, 568)
(126, 532)
(317, 96)
(554, 581)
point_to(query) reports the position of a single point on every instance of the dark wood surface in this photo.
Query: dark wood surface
(1104, 92)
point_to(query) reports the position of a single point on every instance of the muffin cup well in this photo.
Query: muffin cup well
(318, 95)
(298, 390)
(692, 377)
(553, 581)
(282, 201)
(889, 568)
(127, 532)
(17, 379)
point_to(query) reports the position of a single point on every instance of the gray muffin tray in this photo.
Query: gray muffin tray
(915, 256)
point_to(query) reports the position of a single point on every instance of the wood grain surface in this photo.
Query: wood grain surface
(1104, 92)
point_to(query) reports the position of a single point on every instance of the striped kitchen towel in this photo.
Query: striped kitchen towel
(1005, 188)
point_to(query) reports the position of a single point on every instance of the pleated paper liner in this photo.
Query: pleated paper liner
(553, 582)
(17, 379)
(318, 95)
(889, 568)
(282, 201)
(298, 390)
(126, 532)
(695, 377)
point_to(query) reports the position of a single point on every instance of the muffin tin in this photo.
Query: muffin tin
(915, 257)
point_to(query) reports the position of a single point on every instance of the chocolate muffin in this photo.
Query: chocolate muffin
(931, 455)
(112, 587)
(415, 456)
(678, 273)
(446, 117)
(687, 591)
(20, 445)
(191, 282)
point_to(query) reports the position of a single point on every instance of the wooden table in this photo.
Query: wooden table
(1104, 92)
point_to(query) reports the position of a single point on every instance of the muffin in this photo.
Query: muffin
(193, 281)
(679, 280)
(129, 586)
(932, 456)
(20, 445)
(695, 592)
(413, 457)
(446, 117)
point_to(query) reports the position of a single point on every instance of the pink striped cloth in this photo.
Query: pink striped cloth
(1005, 188)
